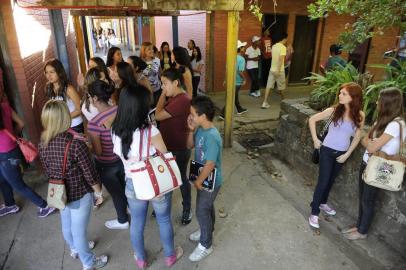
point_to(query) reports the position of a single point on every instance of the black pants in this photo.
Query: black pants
(253, 73)
(328, 172)
(182, 159)
(266, 66)
(367, 198)
(195, 83)
(236, 100)
(113, 178)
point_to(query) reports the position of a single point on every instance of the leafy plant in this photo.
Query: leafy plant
(327, 86)
(395, 77)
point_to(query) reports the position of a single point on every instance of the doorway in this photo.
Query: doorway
(358, 57)
(304, 44)
(275, 24)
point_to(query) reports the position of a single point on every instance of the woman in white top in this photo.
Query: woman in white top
(130, 124)
(59, 88)
(114, 57)
(197, 67)
(384, 136)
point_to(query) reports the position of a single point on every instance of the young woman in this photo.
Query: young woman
(165, 56)
(384, 136)
(108, 164)
(182, 62)
(131, 119)
(58, 88)
(126, 74)
(152, 70)
(81, 180)
(94, 62)
(190, 46)
(138, 66)
(347, 121)
(10, 171)
(197, 67)
(172, 111)
(114, 57)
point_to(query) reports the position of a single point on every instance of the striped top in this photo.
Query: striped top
(97, 128)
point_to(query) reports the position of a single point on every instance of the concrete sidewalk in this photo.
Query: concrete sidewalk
(262, 231)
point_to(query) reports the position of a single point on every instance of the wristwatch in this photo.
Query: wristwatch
(98, 194)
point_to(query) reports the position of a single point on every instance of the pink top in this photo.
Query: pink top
(6, 143)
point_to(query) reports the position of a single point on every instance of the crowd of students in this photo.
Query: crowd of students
(98, 127)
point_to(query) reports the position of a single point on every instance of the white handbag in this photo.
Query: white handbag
(386, 171)
(156, 175)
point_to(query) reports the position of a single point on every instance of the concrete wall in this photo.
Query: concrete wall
(294, 145)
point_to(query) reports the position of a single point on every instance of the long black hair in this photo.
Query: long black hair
(1, 117)
(110, 56)
(163, 44)
(182, 58)
(126, 73)
(199, 54)
(63, 80)
(101, 90)
(138, 62)
(132, 114)
(101, 66)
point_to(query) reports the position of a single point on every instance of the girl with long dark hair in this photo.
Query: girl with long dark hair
(114, 57)
(108, 164)
(138, 66)
(181, 59)
(197, 68)
(58, 88)
(383, 136)
(172, 111)
(347, 121)
(126, 74)
(165, 56)
(130, 121)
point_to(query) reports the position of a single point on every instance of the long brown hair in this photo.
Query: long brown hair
(355, 91)
(390, 106)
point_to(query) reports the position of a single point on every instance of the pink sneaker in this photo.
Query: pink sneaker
(169, 261)
(141, 264)
(314, 221)
(327, 209)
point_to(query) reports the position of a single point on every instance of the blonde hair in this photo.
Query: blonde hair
(55, 119)
(144, 47)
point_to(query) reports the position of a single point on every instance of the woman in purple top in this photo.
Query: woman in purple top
(108, 164)
(347, 121)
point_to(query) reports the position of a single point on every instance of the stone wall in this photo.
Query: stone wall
(294, 145)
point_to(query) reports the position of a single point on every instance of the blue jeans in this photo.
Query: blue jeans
(138, 210)
(328, 172)
(11, 178)
(75, 219)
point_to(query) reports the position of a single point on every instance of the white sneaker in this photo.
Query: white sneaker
(115, 225)
(74, 254)
(265, 105)
(314, 221)
(258, 93)
(195, 237)
(200, 253)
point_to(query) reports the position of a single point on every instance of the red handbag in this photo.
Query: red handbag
(30, 152)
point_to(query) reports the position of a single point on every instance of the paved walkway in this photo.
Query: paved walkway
(262, 231)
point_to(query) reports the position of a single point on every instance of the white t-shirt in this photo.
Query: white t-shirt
(392, 147)
(195, 65)
(251, 53)
(78, 119)
(133, 154)
(91, 113)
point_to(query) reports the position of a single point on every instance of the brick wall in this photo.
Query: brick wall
(71, 46)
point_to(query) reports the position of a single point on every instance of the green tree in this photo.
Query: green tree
(372, 17)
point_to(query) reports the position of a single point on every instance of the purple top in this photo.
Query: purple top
(338, 137)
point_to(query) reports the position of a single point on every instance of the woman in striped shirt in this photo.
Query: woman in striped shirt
(108, 164)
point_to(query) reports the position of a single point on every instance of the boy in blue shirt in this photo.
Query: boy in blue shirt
(206, 140)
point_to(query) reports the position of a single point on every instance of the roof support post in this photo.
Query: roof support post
(232, 35)
(80, 44)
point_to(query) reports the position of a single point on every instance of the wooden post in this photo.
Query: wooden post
(152, 30)
(80, 44)
(232, 36)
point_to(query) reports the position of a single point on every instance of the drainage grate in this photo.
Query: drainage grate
(255, 140)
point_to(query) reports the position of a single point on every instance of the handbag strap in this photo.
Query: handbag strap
(65, 158)
(10, 135)
(330, 119)
(400, 138)
(142, 142)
